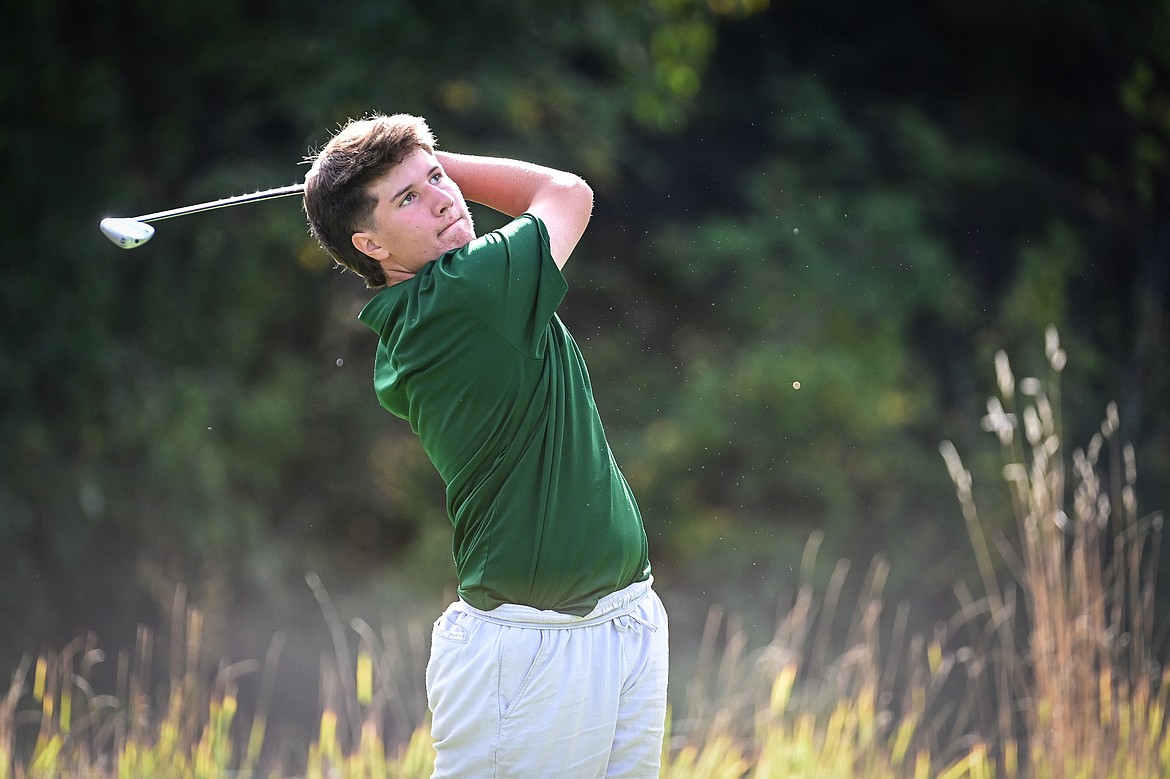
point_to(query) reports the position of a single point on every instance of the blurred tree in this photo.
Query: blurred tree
(960, 178)
(862, 198)
(788, 392)
(200, 412)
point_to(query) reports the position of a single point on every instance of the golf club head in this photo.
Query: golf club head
(127, 233)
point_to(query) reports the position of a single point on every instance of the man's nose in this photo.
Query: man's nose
(443, 200)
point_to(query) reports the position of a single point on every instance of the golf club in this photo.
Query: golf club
(132, 232)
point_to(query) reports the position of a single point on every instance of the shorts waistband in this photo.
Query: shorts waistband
(611, 606)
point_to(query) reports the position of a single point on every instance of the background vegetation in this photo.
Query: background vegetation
(859, 200)
(1049, 674)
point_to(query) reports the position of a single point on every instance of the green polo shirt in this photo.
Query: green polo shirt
(472, 354)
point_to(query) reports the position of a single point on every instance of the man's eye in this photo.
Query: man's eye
(435, 179)
(406, 200)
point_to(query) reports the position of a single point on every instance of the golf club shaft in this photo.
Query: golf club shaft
(267, 194)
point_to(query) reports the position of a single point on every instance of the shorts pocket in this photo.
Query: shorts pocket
(524, 653)
(453, 627)
(452, 660)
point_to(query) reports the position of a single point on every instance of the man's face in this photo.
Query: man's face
(421, 215)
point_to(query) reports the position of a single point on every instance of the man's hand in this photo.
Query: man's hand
(563, 201)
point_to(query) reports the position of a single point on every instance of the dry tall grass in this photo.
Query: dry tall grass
(1049, 673)
(1080, 691)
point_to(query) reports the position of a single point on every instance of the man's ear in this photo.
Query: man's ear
(368, 244)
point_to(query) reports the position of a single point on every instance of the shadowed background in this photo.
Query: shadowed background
(815, 225)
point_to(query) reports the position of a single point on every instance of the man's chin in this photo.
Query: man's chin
(459, 234)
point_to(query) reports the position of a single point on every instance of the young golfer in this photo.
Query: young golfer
(553, 661)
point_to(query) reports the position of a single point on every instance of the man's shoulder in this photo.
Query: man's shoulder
(377, 309)
(522, 238)
(525, 227)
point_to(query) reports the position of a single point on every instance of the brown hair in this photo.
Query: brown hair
(338, 201)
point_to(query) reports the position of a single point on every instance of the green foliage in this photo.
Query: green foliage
(798, 396)
(867, 200)
(168, 414)
(1057, 683)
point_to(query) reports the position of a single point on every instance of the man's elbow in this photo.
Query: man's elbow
(576, 191)
(566, 207)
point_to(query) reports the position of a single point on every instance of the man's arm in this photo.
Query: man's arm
(563, 201)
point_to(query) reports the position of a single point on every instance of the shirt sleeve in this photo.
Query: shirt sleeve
(508, 280)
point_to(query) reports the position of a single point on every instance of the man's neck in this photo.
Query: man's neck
(397, 277)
